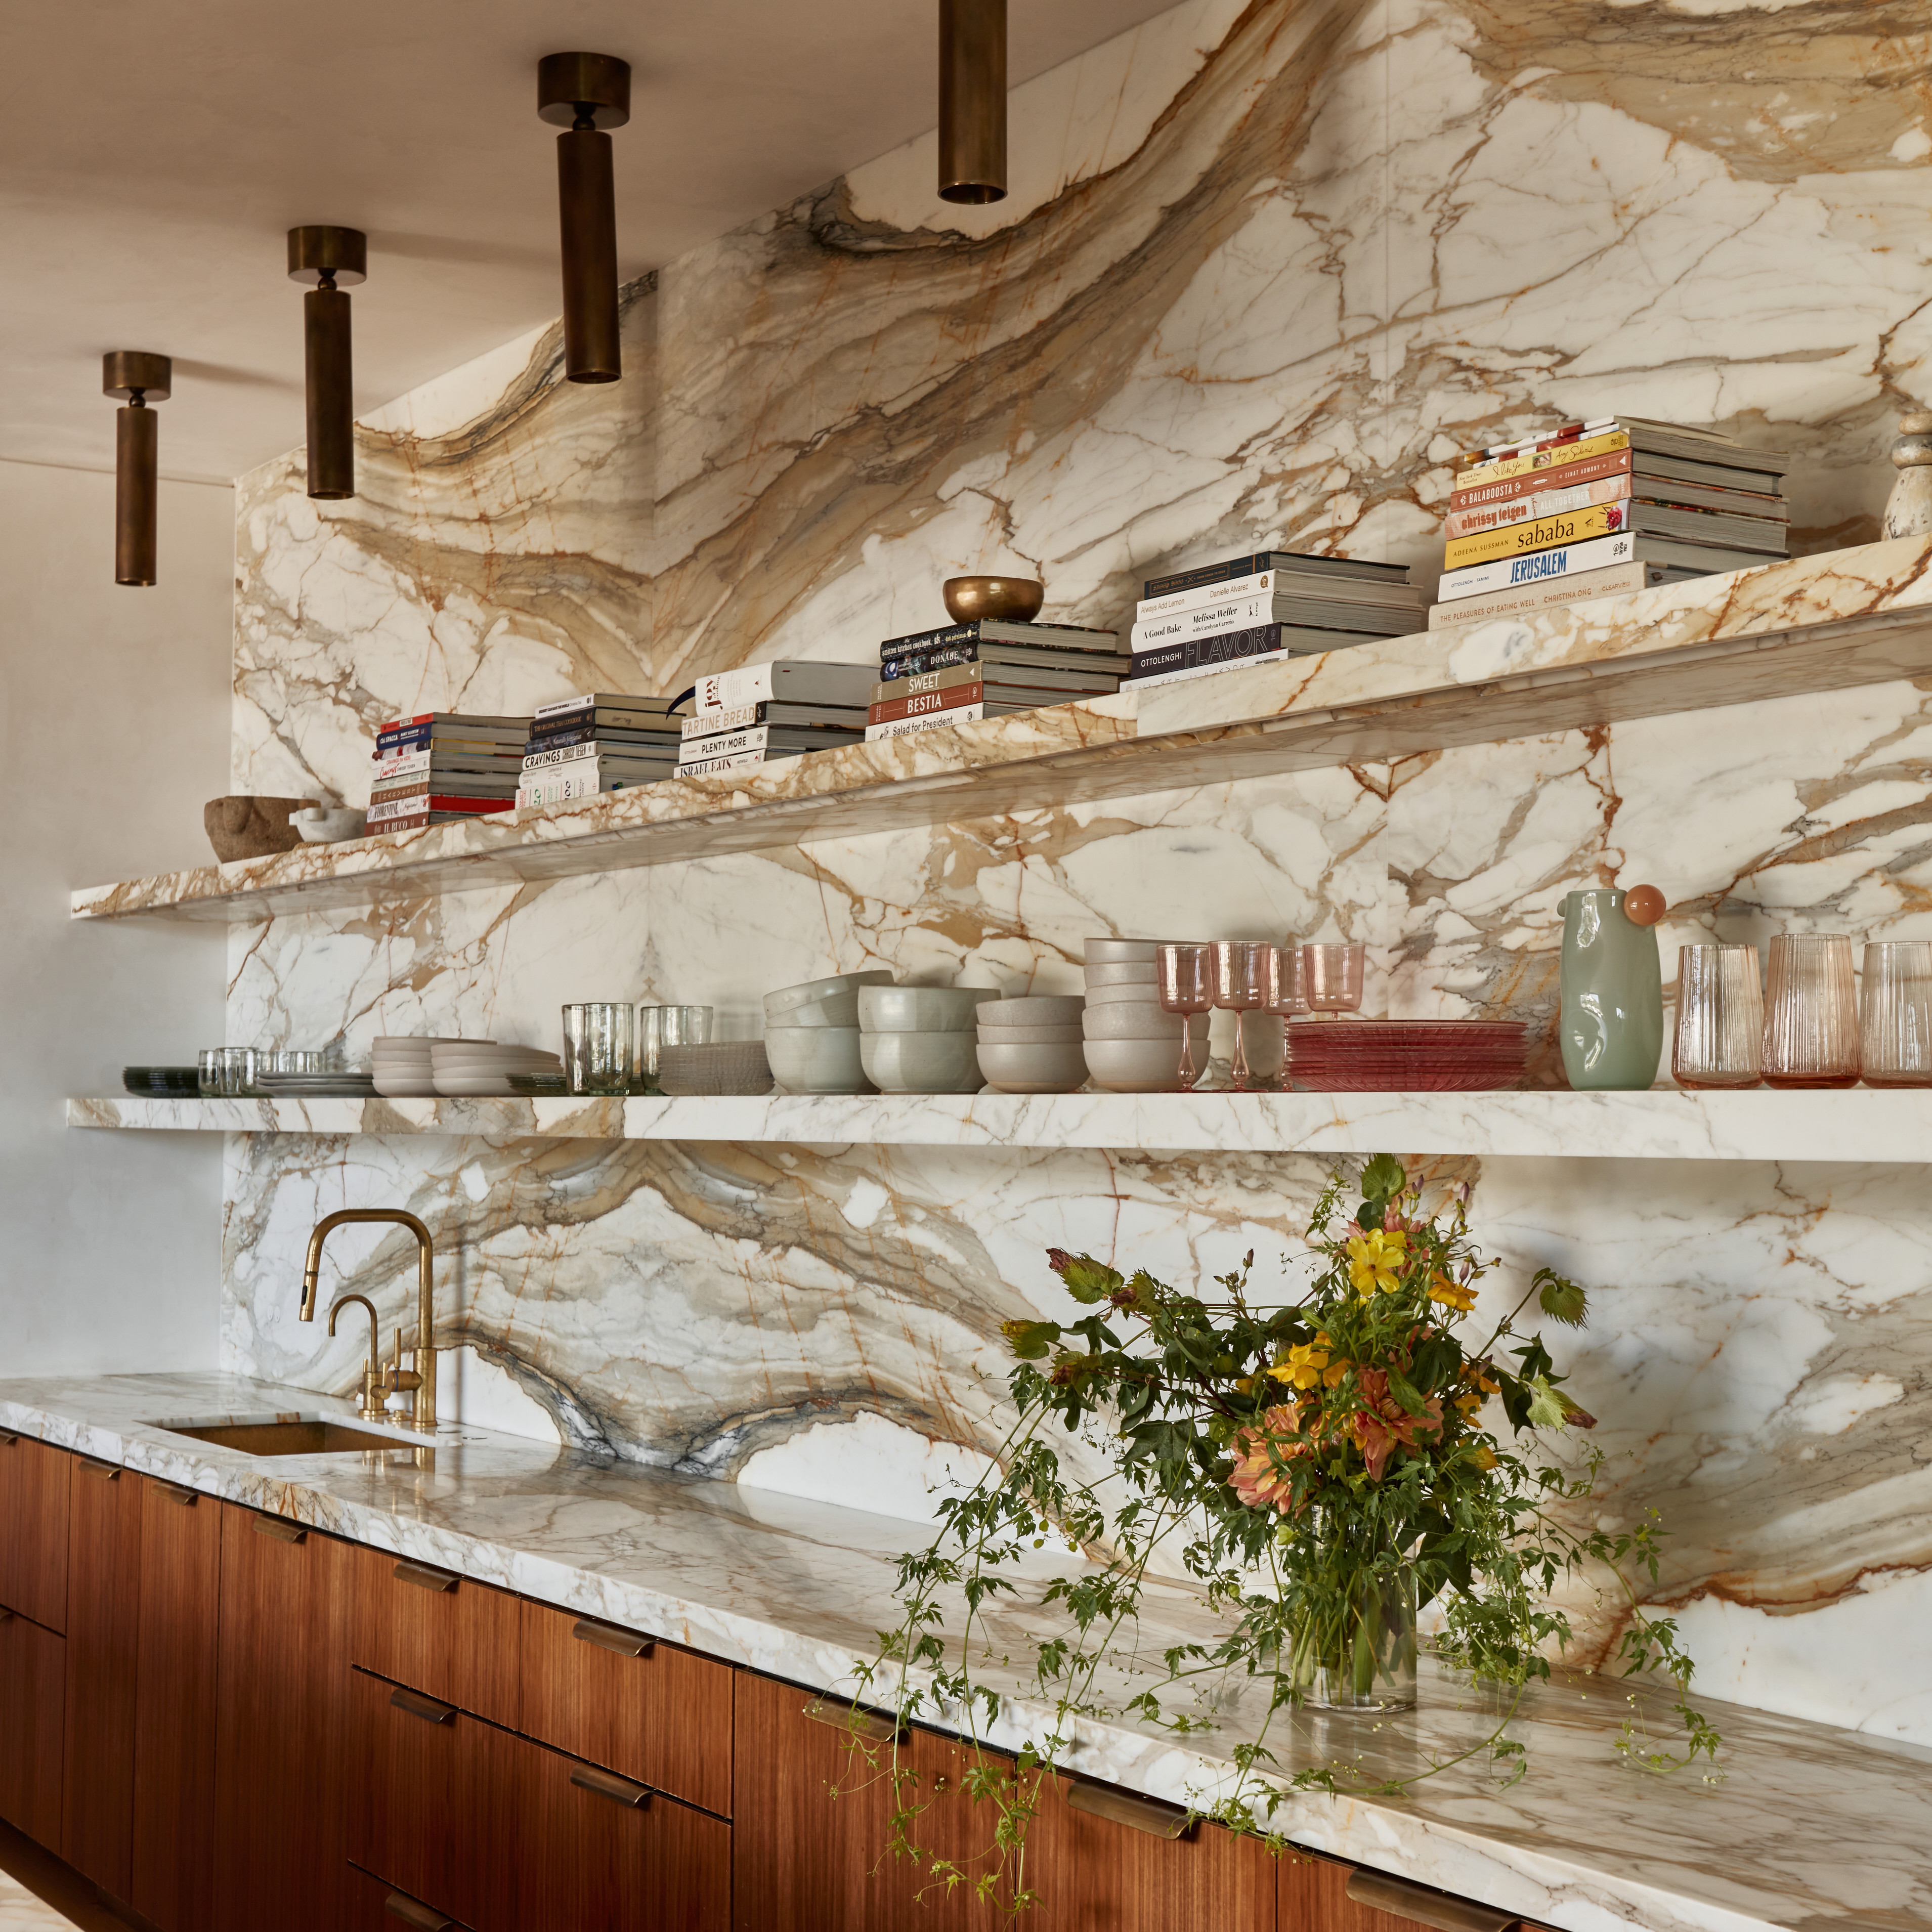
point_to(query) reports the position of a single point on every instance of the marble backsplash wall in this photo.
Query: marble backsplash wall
(1266, 268)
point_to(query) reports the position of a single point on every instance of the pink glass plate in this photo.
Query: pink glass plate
(1473, 1081)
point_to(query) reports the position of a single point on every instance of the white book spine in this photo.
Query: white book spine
(559, 788)
(908, 727)
(734, 690)
(724, 744)
(1240, 613)
(1504, 573)
(562, 758)
(730, 762)
(1261, 584)
(706, 722)
(1199, 670)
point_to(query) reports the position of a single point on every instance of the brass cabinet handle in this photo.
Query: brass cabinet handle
(1128, 1808)
(1381, 1892)
(278, 1527)
(424, 1578)
(412, 1912)
(625, 1643)
(175, 1493)
(108, 1472)
(607, 1784)
(844, 1717)
(418, 1705)
(8, 1440)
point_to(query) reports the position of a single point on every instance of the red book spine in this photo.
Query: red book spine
(922, 702)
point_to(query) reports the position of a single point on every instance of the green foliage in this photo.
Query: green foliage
(1314, 1467)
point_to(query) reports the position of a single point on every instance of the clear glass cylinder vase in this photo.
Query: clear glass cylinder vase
(1358, 1653)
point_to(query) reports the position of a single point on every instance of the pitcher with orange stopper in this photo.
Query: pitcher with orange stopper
(1612, 1023)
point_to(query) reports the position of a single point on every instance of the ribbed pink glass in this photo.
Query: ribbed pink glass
(1332, 975)
(1895, 1013)
(1811, 1013)
(1720, 1036)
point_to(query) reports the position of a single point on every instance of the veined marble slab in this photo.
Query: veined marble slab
(1810, 1826)
(1860, 1125)
(1845, 618)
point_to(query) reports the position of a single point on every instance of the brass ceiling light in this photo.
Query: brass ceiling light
(329, 259)
(137, 377)
(972, 100)
(583, 94)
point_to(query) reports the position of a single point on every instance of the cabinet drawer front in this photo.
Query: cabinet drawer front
(660, 1716)
(454, 1639)
(33, 1529)
(374, 1905)
(33, 1689)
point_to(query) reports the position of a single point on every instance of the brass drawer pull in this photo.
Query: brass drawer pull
(1128, 1808)
(424, 1578)
(1380, 1892)
(175, 1493)
(107, 1471)
(625, 1643)
(844, 1717)
(418, 1705)
(7, 1439)
(412, 1912)
(607, 1784)
(278, 1527)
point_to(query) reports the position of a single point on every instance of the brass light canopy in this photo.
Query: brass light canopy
(138, 377)
(329, 259)
(584, 95)
(972, 100)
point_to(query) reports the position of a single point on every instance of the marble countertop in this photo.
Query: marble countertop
(1809, 1826)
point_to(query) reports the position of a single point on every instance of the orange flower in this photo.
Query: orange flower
(1384, 1423)
(1262, 1454)
(1457, 1295)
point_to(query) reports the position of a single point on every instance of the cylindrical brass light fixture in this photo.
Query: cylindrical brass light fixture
(972, 100)
(327, 259)
(138, 378)
(584, 94)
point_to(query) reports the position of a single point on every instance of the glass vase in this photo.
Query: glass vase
(1359, 1654)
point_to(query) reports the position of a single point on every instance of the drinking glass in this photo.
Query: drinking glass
(1333, 975)
(239, 1066)
(1895, 1013)
(597, 1050)
(1811, 1015)
(1186, 980)
(1720, 1035)
(661, 1026)
(1247, 974)
(213, 1071)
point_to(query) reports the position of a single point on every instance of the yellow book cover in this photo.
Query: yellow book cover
(1573, 526)
(1504, 467)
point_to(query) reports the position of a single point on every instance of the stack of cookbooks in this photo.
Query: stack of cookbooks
(761, 714)
(1220, 616)
(989, 668)
(444, 765)
(1599, 508)
(581, 746)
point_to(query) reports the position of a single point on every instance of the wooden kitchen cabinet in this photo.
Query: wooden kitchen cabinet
(652, 1712)
(34, 1504)
(103, 1639)
(173, 1861)
(438, 1633)
(1315, 1896)
(371, 1904)
(33, 1695)
(281, 1770)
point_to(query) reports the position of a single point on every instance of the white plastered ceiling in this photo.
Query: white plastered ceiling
(153, 154)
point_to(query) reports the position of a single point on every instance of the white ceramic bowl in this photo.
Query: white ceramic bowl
(835, 1009)
(1135, 1066)
(1033, 1069)
(472, 1086)
(1097, 951)
(922, 1010)
(1039, 1035)
(809, 990)
(1124, 972)
(817, 1060)
(1147, 1022)
(321, 827)
(1140, 994)
(1037, 1009)
(921, 1063)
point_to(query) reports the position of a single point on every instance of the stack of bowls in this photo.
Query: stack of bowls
(921, 1039)
(812, 1034)
(1132, 1043)
(467, 1069)
(1033, 1046)
(402, 1068)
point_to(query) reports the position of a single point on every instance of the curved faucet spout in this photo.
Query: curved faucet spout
(424, 1415)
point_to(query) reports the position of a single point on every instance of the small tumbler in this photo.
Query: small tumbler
(1720, 1017)
(1895, 1013)
(212, 1071)
(661, 1026)
(1811, 1013)
(239, 1066)
(597, 1050)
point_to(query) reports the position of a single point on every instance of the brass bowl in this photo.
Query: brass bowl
(1013, 600)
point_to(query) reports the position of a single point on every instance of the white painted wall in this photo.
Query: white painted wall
(114, 726)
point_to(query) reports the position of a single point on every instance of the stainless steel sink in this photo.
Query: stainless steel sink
(288, 1436)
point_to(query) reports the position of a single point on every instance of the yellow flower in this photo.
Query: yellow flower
(1455, 1294)
(1469, 1401)
(1303, 1367)
(1376, 1261)
(1485, 1457)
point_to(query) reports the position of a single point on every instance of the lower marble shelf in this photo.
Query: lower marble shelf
(1663, 1124)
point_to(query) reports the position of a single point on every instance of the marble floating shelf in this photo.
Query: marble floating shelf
(1846, 617)
(1663, 1124)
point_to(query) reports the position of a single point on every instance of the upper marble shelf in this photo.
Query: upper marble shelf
(1847, 617)
(1664, 1124)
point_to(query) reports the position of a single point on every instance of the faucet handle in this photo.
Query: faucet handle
(398, 1380)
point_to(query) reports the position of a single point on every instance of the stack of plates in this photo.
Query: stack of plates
(169, 1083)
(402, 1068)
(465, 1068)
(1407, 1056)
(340, 1080)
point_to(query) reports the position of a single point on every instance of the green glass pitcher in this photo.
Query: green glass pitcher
(1612, 1023)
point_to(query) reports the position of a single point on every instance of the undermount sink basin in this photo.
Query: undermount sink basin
(287, 1435)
